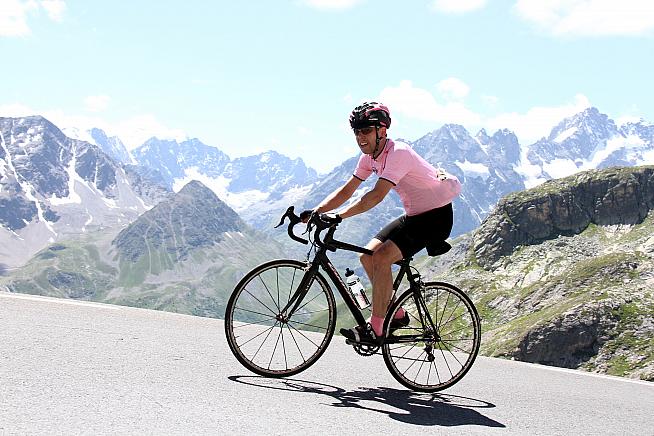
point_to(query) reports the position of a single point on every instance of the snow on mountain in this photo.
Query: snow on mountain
(585, 141)
(53, 186)
(257, 187)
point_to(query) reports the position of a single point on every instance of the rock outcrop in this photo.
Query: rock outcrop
(565, 207)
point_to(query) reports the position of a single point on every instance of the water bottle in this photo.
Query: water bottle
(356, 289)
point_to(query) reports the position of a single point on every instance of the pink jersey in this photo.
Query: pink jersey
(421, 186)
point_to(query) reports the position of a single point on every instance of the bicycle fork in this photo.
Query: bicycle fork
(298, 296)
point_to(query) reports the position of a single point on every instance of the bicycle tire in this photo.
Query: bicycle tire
(251, 320)
(425, 362)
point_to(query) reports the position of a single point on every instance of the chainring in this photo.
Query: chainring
(365, 350)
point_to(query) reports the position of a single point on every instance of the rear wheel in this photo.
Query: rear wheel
(441, 342)
(271, 343)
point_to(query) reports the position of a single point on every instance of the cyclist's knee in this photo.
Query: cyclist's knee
(387, 254)
(382, 258)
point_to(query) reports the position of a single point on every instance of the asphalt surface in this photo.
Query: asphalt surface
(68, 367)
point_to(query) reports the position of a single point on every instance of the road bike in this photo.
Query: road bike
(281, 316)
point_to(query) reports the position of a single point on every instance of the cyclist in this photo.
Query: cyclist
(426, 194)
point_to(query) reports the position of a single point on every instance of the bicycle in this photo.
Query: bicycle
(281, 316)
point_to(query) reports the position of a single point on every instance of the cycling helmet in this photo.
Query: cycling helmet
(370, 114)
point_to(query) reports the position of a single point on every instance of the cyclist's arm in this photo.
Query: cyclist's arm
(339, 196)
(369, 200)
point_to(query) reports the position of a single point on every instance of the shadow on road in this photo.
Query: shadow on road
(401, 405)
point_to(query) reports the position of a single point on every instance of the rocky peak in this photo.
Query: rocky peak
(482, 136)
(269, 171)
(504, 147)
(193, 218)
(111, 145)
(172, 158)
(589, 126)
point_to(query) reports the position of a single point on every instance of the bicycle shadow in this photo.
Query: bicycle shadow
(401, 405)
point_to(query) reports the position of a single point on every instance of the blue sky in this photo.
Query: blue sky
(252, 76)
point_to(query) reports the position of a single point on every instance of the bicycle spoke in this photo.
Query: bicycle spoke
(451, 314)
(419, 369)
(272, 355)
(444, 359)
(261, 302)
(256, 313)
(444, 307)
(305, 336)
(458, 317)
(277, 276)
(301, 307)
(268, 291)
(308, 325)
(296, 344)
(262, 342)
(454, 346)
(290, 291)
(455, 331)
(453, 355)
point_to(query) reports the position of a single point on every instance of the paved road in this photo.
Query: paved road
(83, 368)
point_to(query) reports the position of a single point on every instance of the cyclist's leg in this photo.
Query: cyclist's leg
(383, 258)
(366, 259)
(390, 229)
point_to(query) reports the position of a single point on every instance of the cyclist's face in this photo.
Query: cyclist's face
(366, 138)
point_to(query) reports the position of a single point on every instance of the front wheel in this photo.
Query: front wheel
(265, 340)
(441, 342)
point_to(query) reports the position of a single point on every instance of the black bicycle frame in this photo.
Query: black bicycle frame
(321, 260)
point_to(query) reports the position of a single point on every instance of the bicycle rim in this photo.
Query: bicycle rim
(262, 339)
(441, 342)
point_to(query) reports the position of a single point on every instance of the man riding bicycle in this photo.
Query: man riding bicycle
(426, 194)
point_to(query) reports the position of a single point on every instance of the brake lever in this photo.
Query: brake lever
(290, 209)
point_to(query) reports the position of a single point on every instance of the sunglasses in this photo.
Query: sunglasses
(363, 131)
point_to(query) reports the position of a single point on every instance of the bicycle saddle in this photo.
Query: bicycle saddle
(437, 248)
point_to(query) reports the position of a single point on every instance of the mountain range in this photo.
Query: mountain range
(52, 185)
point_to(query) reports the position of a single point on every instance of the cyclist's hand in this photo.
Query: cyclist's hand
(331, 218)
(305, 215)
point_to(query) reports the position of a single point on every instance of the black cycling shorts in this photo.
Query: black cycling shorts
(413, 233)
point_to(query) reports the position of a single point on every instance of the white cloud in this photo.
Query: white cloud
(589, 17)
(332, 4)
(420, 104)
(13, 17)
(138, 129)
(54, 8)
(132, 131)
(453, 88)
(457, 6)
(15, 110)
(96, 103)
(490, 100)
(537, 122)
(14, 14)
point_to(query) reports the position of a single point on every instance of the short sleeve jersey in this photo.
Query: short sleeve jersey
(421, 187)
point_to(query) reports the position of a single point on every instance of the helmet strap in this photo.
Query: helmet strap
(377, 141)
